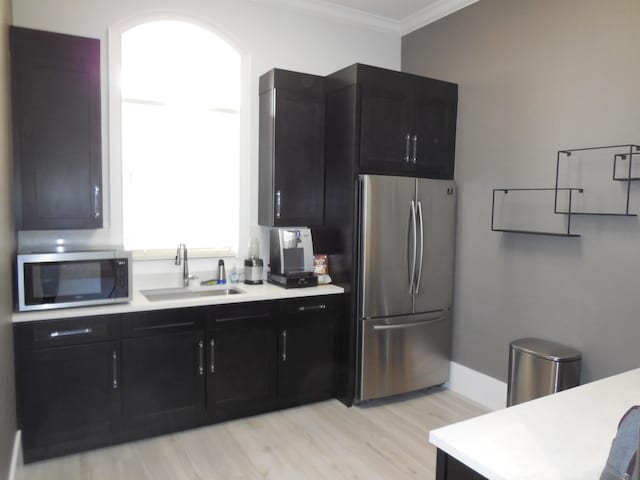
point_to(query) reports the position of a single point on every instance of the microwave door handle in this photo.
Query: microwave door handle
(421, 257)
(412, 261)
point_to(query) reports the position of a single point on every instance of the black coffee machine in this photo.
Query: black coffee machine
(291, 258)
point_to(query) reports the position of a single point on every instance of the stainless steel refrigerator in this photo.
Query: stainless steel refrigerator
(405, 260)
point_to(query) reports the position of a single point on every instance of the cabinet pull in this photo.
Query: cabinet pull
(310, 308)
(242, 317)
(165, 325)
(96, 201)
(278, 203)
(284, 345)
(201, 357)
(415, 149)
(114, 360)
(212, 345)
(66, 333)
(407, 148)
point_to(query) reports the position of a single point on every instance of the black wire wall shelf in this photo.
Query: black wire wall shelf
(630, 152)
(505, 191)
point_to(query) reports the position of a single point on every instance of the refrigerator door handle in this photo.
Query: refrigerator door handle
(421, 247)
(412, 262)
(396, 326)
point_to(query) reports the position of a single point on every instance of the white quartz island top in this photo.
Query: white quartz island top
(562, 436)
(250, 293)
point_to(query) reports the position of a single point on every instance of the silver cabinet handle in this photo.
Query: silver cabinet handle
(412, 262)
(415, 149)
(114, 360)
(278, 203)
(284, 345)
(212, 345)
(96, 201)
(201, 357)
(309, 308)
(407, 147)
(66, 333)
(164, 325)
(421, 257)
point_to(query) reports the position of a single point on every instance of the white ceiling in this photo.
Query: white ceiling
(396, 16)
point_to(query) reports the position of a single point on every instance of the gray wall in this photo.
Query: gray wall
(7, 242)
(535, 77)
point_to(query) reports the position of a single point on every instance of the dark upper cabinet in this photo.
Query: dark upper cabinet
(241, 359)
(404, 124)
(68, 383)
(163, 370)
(291, 149)
(55, 94)
(307, 348)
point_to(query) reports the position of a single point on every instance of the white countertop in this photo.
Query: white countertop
(562, 436)
(251, 293)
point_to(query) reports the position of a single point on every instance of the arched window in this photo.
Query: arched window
(180, 139)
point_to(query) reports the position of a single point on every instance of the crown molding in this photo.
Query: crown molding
(432, 13)
(332, 11)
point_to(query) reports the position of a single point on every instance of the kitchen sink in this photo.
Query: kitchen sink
(157, 294)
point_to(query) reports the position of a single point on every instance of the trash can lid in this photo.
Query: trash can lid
(546, 349)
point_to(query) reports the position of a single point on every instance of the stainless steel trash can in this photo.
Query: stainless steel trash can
(540, 367)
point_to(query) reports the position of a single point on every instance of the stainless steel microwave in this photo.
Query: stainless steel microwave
(72, 279)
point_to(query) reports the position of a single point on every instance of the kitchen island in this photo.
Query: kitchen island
(566, 435)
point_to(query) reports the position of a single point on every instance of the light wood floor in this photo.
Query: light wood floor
(384, 440)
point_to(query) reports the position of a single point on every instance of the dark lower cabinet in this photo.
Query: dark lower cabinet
(163, 370)
(241, 360)
(307, 340)
(93, 381)
(163, 381)
(67, 384)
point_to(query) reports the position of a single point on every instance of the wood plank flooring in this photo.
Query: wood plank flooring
(383, 440)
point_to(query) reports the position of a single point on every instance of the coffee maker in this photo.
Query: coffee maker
(291, 258)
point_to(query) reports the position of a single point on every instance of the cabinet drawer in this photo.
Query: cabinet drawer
(222, 316)
(160, 322)
(69, 331)
(312, 305)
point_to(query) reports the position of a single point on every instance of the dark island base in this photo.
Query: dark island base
(448, 468)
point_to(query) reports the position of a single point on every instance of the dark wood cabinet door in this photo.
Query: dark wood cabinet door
(67, 394)
(163, 381)
(299, 166)
(407, 124)
(385, 145)
(434, 110)
(307, 341)
(291, 150)
(56, 130)
(241, 360)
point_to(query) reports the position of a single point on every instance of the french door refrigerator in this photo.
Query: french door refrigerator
(405, 283)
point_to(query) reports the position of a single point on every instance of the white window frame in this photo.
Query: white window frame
(115, 134)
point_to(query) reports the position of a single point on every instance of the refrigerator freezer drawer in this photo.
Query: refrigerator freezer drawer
(401, 354)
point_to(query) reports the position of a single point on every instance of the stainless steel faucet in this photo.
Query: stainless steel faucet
(182, 257)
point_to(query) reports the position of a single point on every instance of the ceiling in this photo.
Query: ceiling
(396, 16)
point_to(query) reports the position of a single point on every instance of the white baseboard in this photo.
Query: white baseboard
(477, 386)
(17, 462)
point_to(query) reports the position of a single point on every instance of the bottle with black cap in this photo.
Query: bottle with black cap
(222, 276)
